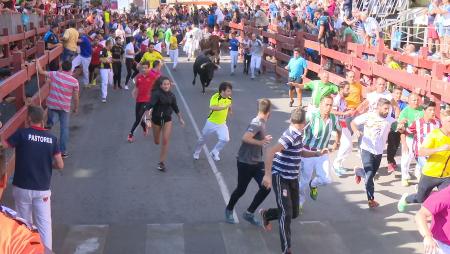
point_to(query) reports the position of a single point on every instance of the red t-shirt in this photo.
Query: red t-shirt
(96, 55)
(144, 84)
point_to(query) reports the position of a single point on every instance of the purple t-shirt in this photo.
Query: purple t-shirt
(439, 205)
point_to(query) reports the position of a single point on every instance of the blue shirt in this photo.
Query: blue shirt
(211, 19)
(85, 47)
(322, 21)
(273, 9)
(296, 67)
(287, 162)
(35, 148)
(234, 44)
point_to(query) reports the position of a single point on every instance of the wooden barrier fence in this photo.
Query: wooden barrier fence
(283, 41)
(23, 72)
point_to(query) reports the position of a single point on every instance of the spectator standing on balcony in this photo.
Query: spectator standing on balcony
(85, 56)
(51, 41)
(377, 125)
(273, 8)
(433, 37)
(444, 28)
(261, 20)
(436, 171)
(256, 51)
(37, 153)
(347, 7)
(297, 68)
(70, 40)
(371, 29)
(63, 87)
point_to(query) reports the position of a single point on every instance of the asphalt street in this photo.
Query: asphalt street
(111, 199)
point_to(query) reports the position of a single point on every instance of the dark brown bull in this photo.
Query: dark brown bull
(212, 44)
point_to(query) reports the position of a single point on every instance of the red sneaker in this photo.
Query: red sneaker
(391, 168)
(130, 138)
(373, 204)
(357, 179)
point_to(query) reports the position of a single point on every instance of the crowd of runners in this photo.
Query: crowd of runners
(294, 166)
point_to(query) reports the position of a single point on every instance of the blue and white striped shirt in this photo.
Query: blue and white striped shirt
(287, 162)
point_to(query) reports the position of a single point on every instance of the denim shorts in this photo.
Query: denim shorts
(296, 80)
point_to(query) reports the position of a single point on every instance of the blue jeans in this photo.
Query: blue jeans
(371, 164)
(68, 55)
(63, 117)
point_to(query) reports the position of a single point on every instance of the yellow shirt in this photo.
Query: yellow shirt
(151, 57)
(107, 19)
(394, 65)
(438, 164)
(173, 42)
(70, 39)
(219, 116)
(354, 98)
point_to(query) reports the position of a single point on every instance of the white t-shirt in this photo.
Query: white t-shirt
(220, 16)
(339, 104)
(373, 98)
(371, 26)
(376, 131)
(158, 47)
(129, 47)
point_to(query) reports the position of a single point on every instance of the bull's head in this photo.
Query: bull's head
(209, 69)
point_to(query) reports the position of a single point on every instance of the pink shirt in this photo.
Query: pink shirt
(62, 86)
(438, 204)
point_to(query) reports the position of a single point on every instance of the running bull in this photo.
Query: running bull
(204, 67)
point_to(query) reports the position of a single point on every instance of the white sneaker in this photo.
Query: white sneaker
(126, 88)
(104, 100)
(215, 156)
(196, 156)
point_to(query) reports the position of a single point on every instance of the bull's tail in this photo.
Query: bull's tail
(195, 76)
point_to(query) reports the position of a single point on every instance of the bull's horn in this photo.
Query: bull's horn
(203, 65)
(218, 66)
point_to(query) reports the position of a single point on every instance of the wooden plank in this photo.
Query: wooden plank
(11, 83)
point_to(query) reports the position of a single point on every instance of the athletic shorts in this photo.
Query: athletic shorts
(432, 33)
(296, 80)
(160, 121)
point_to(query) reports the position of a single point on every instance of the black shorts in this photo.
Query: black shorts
(160, 121)
(296, 80)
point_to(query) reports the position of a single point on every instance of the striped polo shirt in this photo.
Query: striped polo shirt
(287, 162)
(420, 129)
(62, 86)
(318, 133)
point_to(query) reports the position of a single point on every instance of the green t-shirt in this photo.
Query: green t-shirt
(167, 35)
(150, 33)
(410, 115)
(348, 31)
(320, 90)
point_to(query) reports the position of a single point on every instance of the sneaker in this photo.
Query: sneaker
(130, 138)
(401, 205)
(265, 223)
(126, 87)
(103, 100)
(314, 192)
(250, 217)
(161, 167)
(215, 156)
(196, 156)
(229, 217)
(373, 204)
(405, 183)
(391, 168)
(357, 179)
(291, 102)
(64, 155)
(339, 171)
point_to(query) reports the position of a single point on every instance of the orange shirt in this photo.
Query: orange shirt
(354, 98)
(16, 238)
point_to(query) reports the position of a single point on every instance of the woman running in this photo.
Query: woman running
(161, 106)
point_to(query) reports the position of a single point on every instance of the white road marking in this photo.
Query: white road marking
(219, 178)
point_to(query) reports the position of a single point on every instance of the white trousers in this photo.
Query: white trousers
(234, 59)
(255, 63)
(173, 53)
(345, 148)
(221, 130)
(407, 159)
(107, 78)
(321, 165)
(84, 61)
(31, 204)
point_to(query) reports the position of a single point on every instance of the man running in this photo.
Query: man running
(297, 73)
(106, 68)
(234, 51)
(436, 171)
(151, 55)
(256, 51)
(281, 171)
(377, 125)
(220, 106)
(317, 138)
(143, 93)
(250, 164)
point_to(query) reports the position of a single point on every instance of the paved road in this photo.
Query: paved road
(111, 199)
